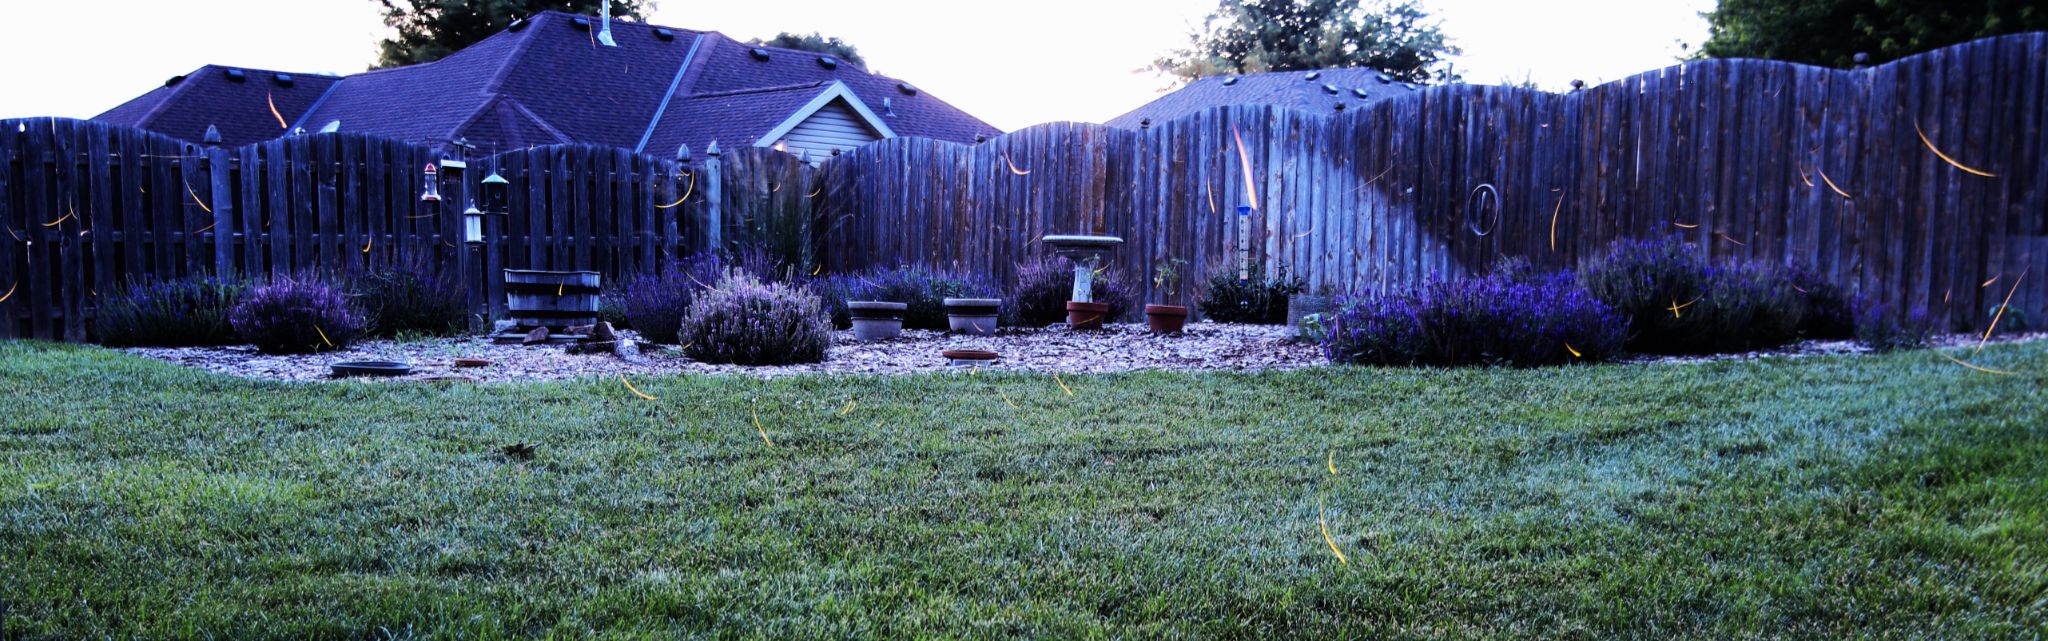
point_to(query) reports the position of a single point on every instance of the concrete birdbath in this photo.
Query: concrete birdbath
(1083, 313)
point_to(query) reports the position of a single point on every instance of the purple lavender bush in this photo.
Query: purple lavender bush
(1718, 308)
(1045, 285)
(744, 321)
(1879, 327)
(654, 304)
(170, 313)
(297, 316)
(1492, 320)
(924, 289)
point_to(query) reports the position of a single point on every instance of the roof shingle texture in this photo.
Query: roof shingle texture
(208, 96)
(1293, 89)
(549, 81)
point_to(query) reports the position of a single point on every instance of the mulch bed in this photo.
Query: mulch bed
(1056, 349)
(1117, 348)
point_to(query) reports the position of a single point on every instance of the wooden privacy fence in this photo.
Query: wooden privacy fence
(1808, 167)
(1813, 168)
(88, 207)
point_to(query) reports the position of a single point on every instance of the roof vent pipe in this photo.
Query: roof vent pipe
(604, 35)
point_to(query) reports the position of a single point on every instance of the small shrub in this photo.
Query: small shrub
(1719, 309)
(744, 321)
(1258, 300)
(1828, 314)
(170, 313)
(654, 304)
(409, 299)
(296, 316)
(1045, 285)
(1879, 327)
(1491, 320)
(924, 289)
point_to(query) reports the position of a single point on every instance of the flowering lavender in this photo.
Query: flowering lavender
(1718, 308)
(654, 304)
(170, 313)
(1879, 328)
(296, 316)
(1045, 285)
(744, 321)
(1477, 321)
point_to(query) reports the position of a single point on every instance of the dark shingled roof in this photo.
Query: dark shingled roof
(185, 105)
(1353, 88)
(548, 81)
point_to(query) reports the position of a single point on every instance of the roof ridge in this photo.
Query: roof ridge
(753, 90)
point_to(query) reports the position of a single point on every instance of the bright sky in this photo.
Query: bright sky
(1013, 64)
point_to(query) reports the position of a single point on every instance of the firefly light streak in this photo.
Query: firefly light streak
(1323, 521)
(2001, 310)
(272, 99)
(1945, 158)
(636, 391)
(1244, 158)
(757, 426)
(692, 187)
(1831, 183)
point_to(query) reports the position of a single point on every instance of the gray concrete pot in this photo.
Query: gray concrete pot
(973, 316)
(876, 320)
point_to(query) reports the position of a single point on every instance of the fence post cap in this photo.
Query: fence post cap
(713, 149)
(683, 152)
(212, 138)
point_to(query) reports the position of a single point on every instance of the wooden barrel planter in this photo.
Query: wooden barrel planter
(555, 300)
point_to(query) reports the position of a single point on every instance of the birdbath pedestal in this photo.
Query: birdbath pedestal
(1086, 252)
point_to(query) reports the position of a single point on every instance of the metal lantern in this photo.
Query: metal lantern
(497, 194)
(473, 225)
(432, 191)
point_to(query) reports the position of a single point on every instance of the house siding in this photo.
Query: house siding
(836, 126)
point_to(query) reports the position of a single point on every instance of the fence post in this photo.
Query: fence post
(220, 189)
(714, 200)
(454, 186)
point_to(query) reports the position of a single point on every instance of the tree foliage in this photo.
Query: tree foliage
(814, 42)
(429, 30)
(1832, 32)
(1254, 36)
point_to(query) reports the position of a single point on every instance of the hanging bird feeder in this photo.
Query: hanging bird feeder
(497, 194)
(473, 225)
(432, 191)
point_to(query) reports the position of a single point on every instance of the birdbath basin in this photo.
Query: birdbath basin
(1087, 253)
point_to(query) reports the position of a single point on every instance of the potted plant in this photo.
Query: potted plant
(1166, 319)
(973, 316)
(876, 320)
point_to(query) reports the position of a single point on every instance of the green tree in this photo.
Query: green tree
(429, 30)
(1254, 36)
(1832, 32)
(814, 42)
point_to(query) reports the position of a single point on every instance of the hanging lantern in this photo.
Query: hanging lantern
(432, 191)
(473, 225)
(497, 194)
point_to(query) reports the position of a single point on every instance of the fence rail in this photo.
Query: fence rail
(1814, 168)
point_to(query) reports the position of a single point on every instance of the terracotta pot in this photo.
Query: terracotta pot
(973, 316)
(1166, 319)
(1086, 316)
(875, 320)
(969, 357)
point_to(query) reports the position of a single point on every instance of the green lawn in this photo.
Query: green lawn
(1898, 496)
